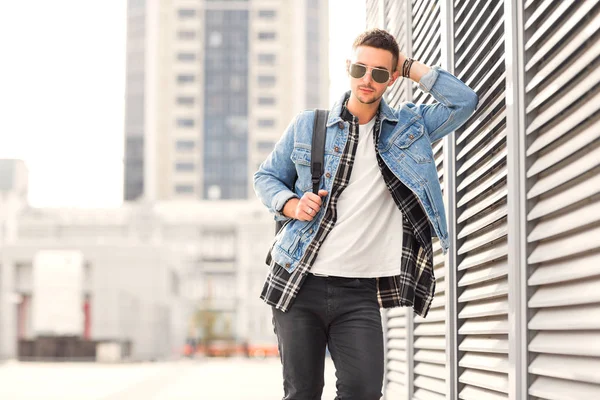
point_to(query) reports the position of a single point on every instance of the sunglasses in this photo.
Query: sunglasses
(379, 75)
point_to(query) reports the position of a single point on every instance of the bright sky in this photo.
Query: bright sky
(62, 88)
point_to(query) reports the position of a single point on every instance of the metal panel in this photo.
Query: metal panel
(482, 209)
(563, 100)
(430, 333)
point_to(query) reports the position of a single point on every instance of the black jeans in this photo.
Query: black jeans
(342, 313)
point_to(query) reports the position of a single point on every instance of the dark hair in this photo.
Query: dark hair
(379, 39)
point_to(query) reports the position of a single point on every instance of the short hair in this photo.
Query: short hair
(379, 39)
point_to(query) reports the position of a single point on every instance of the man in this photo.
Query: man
(364, 241)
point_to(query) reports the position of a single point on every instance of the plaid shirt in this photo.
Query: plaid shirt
(413, 286)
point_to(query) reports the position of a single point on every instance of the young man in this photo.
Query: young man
(364, 241)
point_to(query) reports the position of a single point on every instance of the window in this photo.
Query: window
(184, 189)
(183, 79)
(267, 14)
(184, 166)
(186, 13)
(267, 35)
(185, 101)
(186, 57)
(266, 81)
(185, 145)
(266, 123)
(266, 59)
(266, 101)
(265, 145)
(186, 35)
(185, 123)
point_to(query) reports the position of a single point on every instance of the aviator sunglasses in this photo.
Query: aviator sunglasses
(379, 75)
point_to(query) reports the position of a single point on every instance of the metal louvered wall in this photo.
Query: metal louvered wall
(517, 307)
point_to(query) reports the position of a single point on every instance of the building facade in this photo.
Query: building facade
(516, 313)
(211, 84)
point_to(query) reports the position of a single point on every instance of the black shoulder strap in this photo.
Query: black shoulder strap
(318, 147)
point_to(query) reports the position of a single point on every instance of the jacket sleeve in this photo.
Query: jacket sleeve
(456, 102)
(274, 179)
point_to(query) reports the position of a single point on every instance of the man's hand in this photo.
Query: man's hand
(306, 208)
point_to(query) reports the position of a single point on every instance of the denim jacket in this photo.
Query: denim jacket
(406, 136)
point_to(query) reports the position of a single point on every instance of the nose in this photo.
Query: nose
(367, 77)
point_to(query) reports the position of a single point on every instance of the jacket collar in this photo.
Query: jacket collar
(335, 115)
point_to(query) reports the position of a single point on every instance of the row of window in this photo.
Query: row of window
(190, 101)
(264, 81)
(188, 13)
(190, 123)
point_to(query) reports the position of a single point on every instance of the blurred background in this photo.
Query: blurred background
(132, 247)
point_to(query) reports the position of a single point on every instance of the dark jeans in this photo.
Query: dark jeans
(342, 313)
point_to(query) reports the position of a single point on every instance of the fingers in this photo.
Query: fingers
(309, 205)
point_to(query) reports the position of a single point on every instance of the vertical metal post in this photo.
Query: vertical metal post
(410, 353)
(516, 182)
(447, 62)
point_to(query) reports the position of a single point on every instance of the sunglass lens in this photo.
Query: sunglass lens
(357, 71)
(380, 75)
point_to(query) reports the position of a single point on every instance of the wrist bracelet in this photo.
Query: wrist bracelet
(406, 67)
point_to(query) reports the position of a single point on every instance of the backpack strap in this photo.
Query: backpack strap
(318, 147)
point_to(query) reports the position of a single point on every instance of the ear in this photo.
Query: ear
(395, 76)
(348, 66)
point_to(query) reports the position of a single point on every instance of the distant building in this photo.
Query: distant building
(137, 275)
(211, 86)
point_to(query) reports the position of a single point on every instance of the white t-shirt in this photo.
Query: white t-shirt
(366, 241)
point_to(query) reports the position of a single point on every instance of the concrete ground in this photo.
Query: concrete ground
(206, 379)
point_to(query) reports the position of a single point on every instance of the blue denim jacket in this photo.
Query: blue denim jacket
(404, 144)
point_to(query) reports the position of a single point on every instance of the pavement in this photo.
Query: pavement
(204, 379)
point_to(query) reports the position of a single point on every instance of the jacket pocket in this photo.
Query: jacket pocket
(302, 159)
(415, 144)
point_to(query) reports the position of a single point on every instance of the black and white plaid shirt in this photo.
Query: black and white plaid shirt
(413, 286)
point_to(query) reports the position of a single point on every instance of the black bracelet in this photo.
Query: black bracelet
(406, 67)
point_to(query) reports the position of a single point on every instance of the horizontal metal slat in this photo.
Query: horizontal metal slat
(485, 308)
(551, 388)
(485, 290)
(430, 329)
(485, 379)
(485, 326)
(475, 393)
(395, 376)
(483, 37)
(549, 227)
(397, 344)
(395, 391)
(567, 318)
(493, 123)
(565, 246)
(537, 13)
(565, 149)
(497, 231)
(428, 383)
(578, 167)
(582, 369)
(541, 31)
(397, 366)
(485, 256)
(493, 196)
(576, 343)
(554, 39)
(474, 175)
(484, 221)
(429, 26)
(564, 55)
(396, 354)
(396, 333)
(583, 291)
(422, 394)
(430, 356)
(487, 272)
(497, 140)
(430, 343)
(563, 100)
(486, 362)
(492, 344)
(397, 312)
(568, 269)
(436, 315)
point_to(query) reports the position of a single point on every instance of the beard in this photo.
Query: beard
(370, 100)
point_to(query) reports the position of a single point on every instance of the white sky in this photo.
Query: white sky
(62, 89)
